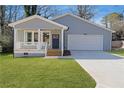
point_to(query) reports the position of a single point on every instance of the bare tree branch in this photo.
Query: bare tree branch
(84, 11)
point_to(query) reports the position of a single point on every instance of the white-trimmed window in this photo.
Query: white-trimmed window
(31, 36)
(35, 36)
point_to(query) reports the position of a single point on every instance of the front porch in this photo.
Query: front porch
(38, 41)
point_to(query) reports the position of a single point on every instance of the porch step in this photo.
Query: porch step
(54, 52)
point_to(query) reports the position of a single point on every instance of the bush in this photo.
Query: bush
(67, 53)
(7, 49)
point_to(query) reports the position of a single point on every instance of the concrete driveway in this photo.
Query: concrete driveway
(105, 68)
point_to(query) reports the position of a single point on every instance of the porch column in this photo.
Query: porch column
(38, 35)
(62, 44)
(39, 43)
(15, 39)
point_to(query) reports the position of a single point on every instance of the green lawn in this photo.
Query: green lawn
(118, 51)
(42, 73)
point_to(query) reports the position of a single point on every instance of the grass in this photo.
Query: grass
(42, 73)
(118, 51)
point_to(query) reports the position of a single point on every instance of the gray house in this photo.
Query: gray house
(37, 36)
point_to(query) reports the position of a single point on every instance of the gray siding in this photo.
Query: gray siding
(77, 26)
(36, 24)
(20, 35)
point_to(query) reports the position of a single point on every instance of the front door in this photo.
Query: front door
(55, 41)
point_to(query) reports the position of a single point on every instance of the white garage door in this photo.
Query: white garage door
(85, 42)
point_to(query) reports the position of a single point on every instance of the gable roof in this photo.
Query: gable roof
(89, 22)
(39, 17)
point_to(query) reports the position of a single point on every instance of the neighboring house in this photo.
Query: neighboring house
(37, 36)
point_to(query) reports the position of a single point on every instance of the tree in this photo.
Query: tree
(115, 22)
(42, 10)
(47, 11)
(0, 26)
(2, 18)
(8, 14)
(30, 10)
(12, 13)
(119, 28)
(84, 11)
(34, 10)
(6, 41)
(111, 19)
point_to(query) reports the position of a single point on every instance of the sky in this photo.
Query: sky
(103, 10)
(100, 10)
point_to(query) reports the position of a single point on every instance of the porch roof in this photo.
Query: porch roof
(35, 22)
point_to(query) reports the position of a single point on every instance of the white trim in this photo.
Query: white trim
(45, 49)
(32, 31)
(51, 40)
(39, 35)
(15, 39)
(82, 20)
(39, 17)
(62, 37)
(111, 43)
(50, 37)
(24, 36)
(33, 36)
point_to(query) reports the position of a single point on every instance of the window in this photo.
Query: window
(46, 37)
(35, 36)
(29, 36)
